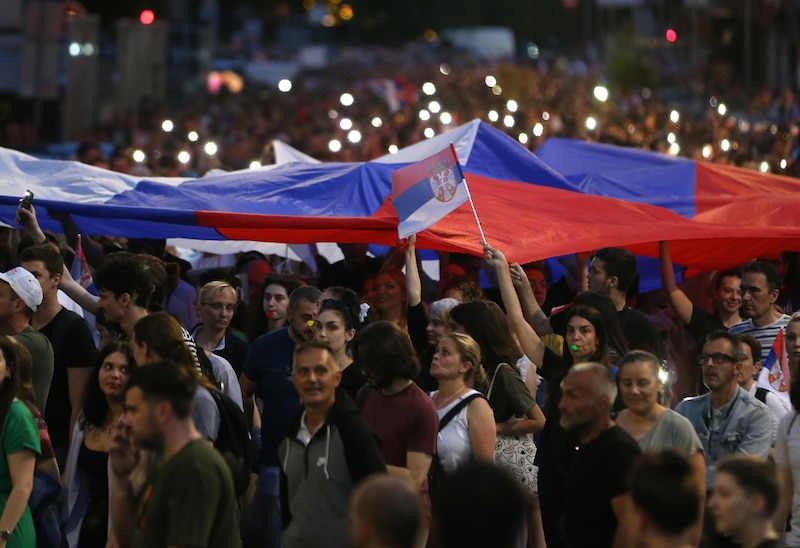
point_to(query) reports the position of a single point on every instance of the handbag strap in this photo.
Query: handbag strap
(450, 415)
(491, 384)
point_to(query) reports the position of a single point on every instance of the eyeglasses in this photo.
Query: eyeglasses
(219, 307)
(717, 357)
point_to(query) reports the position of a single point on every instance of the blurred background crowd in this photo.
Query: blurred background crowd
(184, 87)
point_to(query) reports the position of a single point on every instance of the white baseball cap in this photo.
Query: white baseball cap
(25, 285)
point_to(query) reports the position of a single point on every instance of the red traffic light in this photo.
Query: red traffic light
(147, 17)
(671, 35)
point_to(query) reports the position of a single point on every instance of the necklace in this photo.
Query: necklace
(448, 401)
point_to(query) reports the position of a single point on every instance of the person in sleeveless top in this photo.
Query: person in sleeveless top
(470, 435)
(86, 474)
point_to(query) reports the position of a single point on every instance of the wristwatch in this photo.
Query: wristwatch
(5, 535)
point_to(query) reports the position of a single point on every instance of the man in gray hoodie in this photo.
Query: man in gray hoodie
(328, 450)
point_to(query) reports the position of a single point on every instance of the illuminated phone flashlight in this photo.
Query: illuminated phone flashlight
(601, 93)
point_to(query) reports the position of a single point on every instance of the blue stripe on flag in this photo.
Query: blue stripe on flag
(412, 199)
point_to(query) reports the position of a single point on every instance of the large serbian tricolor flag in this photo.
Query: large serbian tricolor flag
(528, 208)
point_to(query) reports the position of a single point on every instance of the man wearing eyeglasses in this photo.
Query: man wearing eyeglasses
(761, 287)
(727, 419)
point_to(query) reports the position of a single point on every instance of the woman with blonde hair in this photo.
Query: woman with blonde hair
(217, 302)
(469, 434)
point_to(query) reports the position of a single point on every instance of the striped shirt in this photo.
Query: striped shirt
(189, 341)
(764, 335)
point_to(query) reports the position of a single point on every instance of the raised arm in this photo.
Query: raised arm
(413, 281)
(531, 344)
(77, 292)
(91, 248)
(581, 271)
(30, 224)
(683, 306)
(531, 309)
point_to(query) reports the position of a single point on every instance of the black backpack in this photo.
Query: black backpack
(233, 441)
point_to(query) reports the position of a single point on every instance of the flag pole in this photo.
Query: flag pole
(469, 195)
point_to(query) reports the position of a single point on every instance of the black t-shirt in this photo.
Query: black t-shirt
(597, 474)
(555, 450)
(353, 380)
(641, 332)
(425, 380)
(73, 347)
(417, 322)
(702, 323)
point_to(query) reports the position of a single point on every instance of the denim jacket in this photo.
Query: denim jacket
(743, 425)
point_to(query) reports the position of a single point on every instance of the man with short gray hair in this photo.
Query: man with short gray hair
(595, 488)
(726, 418)
(267, 372)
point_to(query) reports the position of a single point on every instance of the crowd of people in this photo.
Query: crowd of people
(371, 406)
(364, 404)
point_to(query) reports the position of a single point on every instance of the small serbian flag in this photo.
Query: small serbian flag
(423, 193)
(80, 269)
(775, 375)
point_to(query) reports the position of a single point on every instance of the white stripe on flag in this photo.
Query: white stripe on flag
(431, 212)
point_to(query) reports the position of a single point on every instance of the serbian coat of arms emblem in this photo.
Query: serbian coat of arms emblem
(443, 181)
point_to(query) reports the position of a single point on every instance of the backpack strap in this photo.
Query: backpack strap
(761, 394)
(450, 415)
